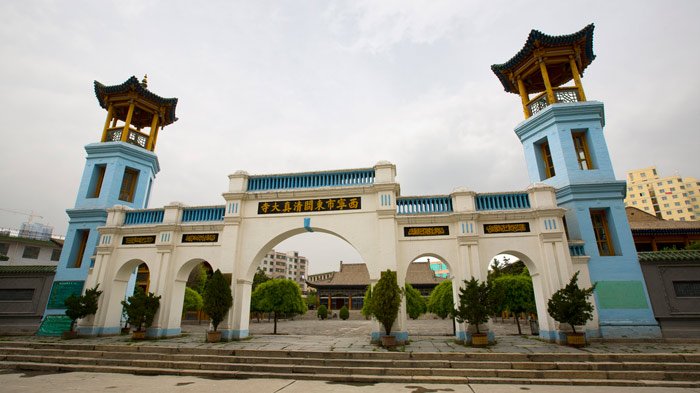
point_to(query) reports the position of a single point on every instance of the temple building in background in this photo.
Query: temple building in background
(669, 198)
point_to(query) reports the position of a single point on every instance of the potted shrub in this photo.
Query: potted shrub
(322, 312)
(386, 300)
(344, 313)
(570, 305)
(475, 306)
(140, 309)
(217, 301)
(78, 307)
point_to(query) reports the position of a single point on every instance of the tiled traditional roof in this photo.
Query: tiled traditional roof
(102, 91)
(356, 274)
(670, 256)
(27, 269)
(53, 243)
(538, 39)
(643, 222)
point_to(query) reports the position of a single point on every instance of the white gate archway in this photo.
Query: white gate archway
(361, 206)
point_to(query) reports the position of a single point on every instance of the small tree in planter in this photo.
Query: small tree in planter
(217, 301)
(367, 304)
(571, 305)
(78, 307)
(140, 309)
(475, 306)
(415, 303)
(386, 300)
(344, 313)
(322, 312)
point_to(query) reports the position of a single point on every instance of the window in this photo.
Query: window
(602, 232)
(31, 252)
(581, 147)
(646, 208)
(4, 248)
(16, 294)
(126, 192)
(686, 288)
(55, 254)
(98, 175)
(677, 203)
(80, 242)
(634, 203)
(672, 189)
(547, 160)
(644, 174)
(666, 205)
(661, 190)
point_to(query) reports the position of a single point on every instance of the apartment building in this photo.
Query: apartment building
(669, 198)
(289, 265)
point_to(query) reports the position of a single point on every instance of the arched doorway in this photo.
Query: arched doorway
(427, 312)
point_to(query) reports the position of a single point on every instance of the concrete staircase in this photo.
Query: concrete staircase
(658, 370)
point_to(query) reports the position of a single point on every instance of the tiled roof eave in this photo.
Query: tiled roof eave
(101, 91)
(547, 40)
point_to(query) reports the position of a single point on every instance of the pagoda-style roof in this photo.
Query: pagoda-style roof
(132, 85)
(356, 274)
(556, 49)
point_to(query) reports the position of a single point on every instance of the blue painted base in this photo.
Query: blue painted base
(98, 331)
(160, 332)
(401, 337)
(635, 331)
(229, 334)
(461, 336)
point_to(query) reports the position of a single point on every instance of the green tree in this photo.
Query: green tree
(415, 303)
(367, 303)
(514, 293)
(322, 312)
(693, 246)
(386, 300)
(259, 278)
(475, 303)
(440, 301)
(311, 299)
(198, 278)
(280, 296)
(80, 306)
(217, 298)
(344, 313)
(193, 300)
(571, 305)
(141, 308)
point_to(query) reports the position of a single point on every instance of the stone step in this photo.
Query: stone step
(288, 366)
(316, 362)
(584, 368)
(53, 367)
(408, 356)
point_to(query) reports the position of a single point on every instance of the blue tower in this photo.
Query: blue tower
(564, 145)
(119, 170)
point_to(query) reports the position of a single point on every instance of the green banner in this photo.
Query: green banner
(61, 290)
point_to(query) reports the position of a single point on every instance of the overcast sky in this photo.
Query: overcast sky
(290, 86)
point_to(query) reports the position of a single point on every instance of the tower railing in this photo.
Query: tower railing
(561, 94)
(311, 180)
(200, 214)
(502, 201)
(576, 248)
(139, 217)
(134, 136)
(424, 205)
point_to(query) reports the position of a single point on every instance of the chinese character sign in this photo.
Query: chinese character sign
(310, 205)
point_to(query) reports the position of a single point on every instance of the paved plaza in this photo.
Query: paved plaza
(426, 335)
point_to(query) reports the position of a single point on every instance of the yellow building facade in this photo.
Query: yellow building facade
(670, 198)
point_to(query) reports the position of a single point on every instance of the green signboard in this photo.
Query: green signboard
(54, 325)
(621, 294)
(61, 290)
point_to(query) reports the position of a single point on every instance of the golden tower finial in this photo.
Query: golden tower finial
(144, 81)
